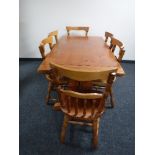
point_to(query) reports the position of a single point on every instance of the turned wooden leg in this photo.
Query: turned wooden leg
(64, 127)
(49, 92)
(95, 132)
(112, 102)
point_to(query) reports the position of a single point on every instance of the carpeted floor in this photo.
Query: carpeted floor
(40, 126)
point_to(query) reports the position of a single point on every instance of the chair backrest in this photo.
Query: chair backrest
(49, 41)
(116, 43)
(77, 104)
(87, 75)
(54, 34)
(84, 28)
(107, 36)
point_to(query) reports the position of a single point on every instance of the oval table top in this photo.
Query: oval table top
(86, 54)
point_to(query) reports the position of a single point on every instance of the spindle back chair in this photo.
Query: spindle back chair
(50, 77)
(84, 108)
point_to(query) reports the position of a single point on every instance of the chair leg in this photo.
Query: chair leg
(112, 102)
(95, 132)
(49, 92)
(64, 127)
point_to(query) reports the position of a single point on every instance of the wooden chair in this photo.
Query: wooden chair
(78, 107)
(108, 36)
(84, 108)
(116, 43)
(70, 28)
(52, 81)
(101, 84)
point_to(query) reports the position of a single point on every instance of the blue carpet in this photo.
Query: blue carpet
(40, 126)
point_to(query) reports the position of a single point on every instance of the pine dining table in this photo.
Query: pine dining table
(83, 54)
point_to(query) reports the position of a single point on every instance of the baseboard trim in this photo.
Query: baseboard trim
(30, 59)
(39, 59)
(128, 61)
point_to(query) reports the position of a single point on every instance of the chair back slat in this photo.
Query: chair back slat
(93, 107)
(76, 106)
(84, 28)
(84, 107)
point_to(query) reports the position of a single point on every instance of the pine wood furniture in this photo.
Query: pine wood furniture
(49, 75)
(113, 44)
(85, 108)
(79, 28)
(82, 54)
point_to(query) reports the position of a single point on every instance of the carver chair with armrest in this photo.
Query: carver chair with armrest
(79, 28)
(84, 108)
(52, 81)
(101, 84)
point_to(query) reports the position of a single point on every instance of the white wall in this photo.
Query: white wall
(39, 17)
